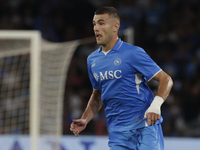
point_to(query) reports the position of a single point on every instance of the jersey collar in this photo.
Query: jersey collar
(116, 47)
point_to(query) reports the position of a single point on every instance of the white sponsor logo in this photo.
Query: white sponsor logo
(117, 62)
(110, 74)
(117, 74)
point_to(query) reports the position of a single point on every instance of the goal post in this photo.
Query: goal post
(129, 35)
(32, 82)
(35, 50)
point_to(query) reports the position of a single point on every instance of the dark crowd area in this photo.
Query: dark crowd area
(168, 30)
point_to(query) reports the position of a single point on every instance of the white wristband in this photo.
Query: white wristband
(155, 105)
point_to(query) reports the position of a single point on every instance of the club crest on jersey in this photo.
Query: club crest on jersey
(117, 62)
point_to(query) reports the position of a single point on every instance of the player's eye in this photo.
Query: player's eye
(101, 23)
(94, 24)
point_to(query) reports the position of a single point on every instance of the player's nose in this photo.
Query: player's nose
(96, 28)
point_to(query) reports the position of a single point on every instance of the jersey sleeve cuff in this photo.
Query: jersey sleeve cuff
(155, 74)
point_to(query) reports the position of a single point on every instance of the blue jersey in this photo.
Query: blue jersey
(121, 75)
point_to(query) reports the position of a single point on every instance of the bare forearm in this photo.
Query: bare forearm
(90, 112)
(165, 85)
(94, 105)
(165, 88)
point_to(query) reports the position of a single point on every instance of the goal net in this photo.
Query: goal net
(32, 77)
(33, 74)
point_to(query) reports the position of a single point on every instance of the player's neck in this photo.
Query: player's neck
(110, 45)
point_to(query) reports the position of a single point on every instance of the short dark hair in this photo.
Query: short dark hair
(107, 10)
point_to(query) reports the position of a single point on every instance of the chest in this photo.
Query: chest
(111, 66)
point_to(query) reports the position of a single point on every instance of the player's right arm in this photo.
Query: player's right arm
(93, 106)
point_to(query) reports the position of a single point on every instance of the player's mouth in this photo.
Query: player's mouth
(98, 36)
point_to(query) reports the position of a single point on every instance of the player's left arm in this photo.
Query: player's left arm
(165, 84)
(164, 88)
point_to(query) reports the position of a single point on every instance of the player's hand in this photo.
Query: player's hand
(153, 112)
(77, 126)
(151, 117)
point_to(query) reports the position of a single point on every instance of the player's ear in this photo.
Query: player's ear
(116, 27)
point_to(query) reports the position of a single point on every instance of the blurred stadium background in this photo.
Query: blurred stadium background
(169, 31)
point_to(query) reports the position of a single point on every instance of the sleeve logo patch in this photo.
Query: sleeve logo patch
(93, 65)
(96, 76)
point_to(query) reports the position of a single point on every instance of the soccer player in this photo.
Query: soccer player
(119, 73)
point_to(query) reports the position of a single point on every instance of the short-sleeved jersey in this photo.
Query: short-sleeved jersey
(121, 75)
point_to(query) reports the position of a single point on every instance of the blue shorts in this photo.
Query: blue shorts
(147, 138)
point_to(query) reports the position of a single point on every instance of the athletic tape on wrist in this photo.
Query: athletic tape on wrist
(159, 100)
(155, 105)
